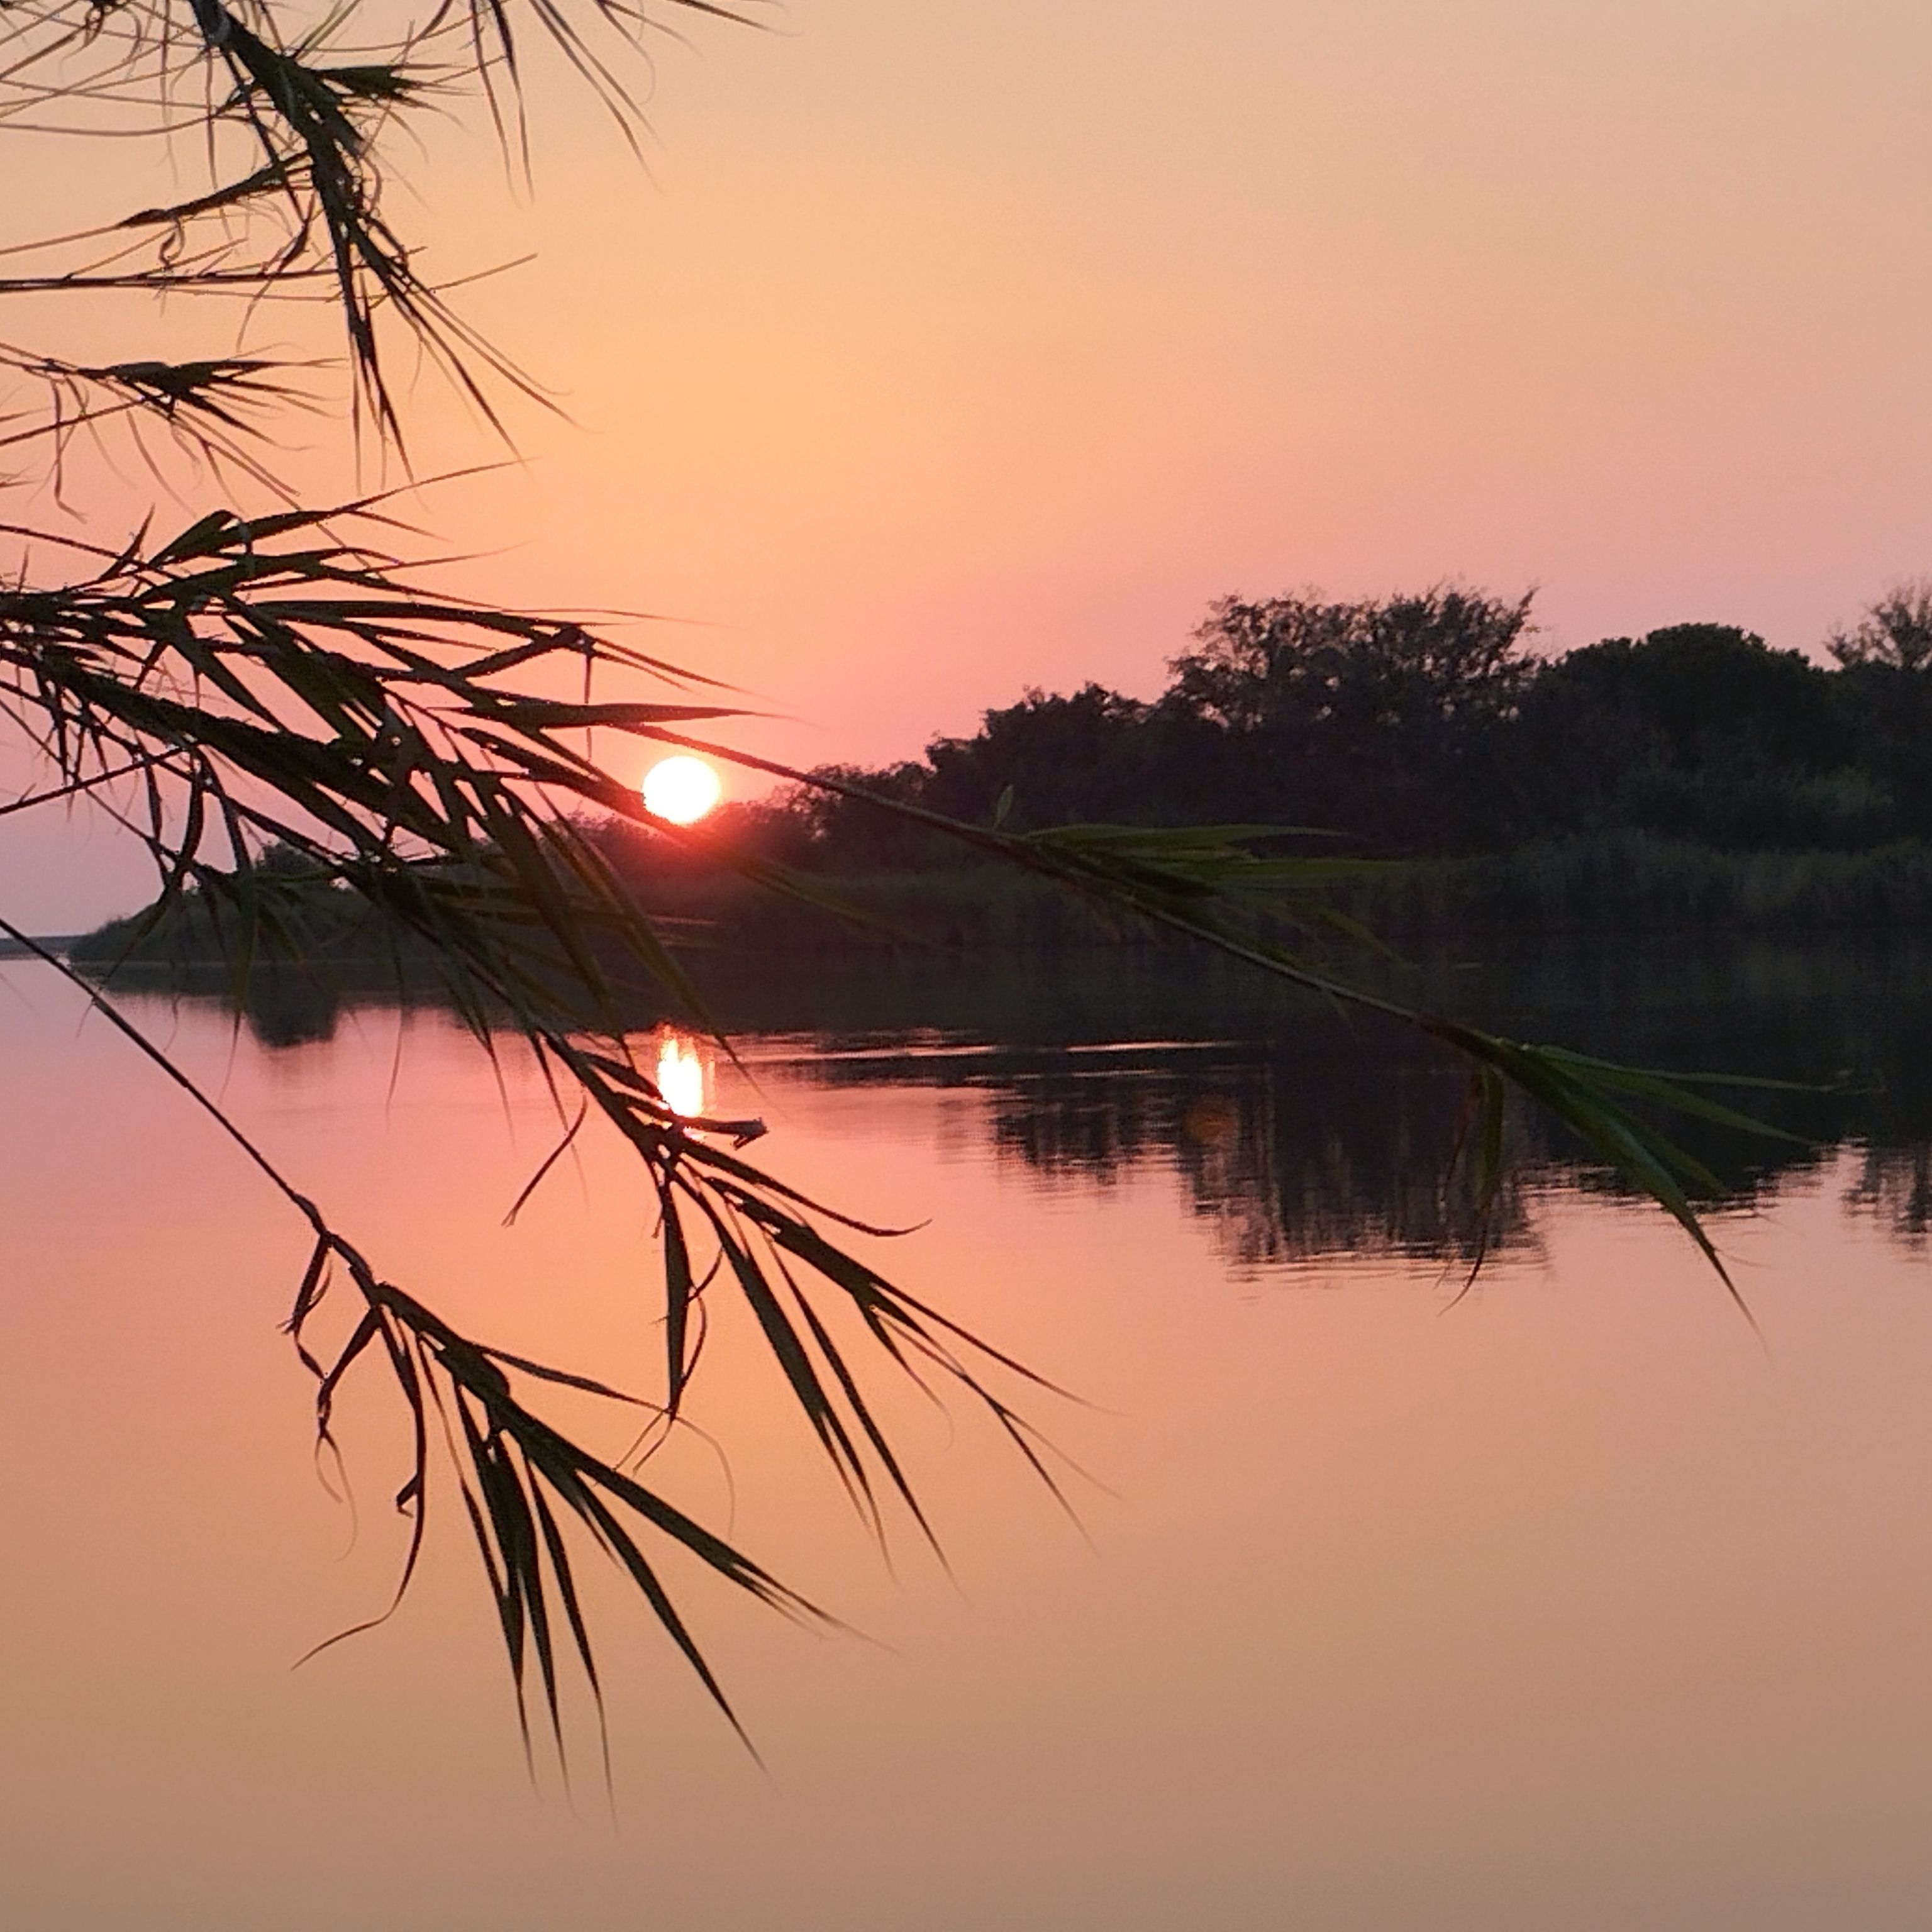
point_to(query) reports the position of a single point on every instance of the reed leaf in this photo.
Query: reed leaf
(276, 707)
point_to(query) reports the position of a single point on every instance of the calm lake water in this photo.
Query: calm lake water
(1569, 1602)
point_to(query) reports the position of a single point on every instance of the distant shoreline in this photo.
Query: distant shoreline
(1616, 886)
(1620, 884)
(1615, 890)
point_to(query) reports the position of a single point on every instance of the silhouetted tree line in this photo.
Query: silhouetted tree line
(1423, 724)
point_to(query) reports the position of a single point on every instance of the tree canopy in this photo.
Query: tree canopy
(1426, 724)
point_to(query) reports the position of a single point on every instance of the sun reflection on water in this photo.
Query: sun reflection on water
(680, 1076)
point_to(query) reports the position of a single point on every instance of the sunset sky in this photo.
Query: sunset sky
(942, 351)
(950, 350)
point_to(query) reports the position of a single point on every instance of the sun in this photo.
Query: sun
(682, 789)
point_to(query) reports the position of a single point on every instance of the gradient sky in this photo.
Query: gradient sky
(942, 351)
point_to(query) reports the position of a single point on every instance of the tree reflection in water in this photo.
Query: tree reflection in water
(1295, 1134)
(1288, 1159)
(1299, 1136)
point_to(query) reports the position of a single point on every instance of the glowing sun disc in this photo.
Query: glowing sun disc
(682, 789)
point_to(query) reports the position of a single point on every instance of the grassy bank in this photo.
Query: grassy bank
(1635, 882)
(1626, 883)
(1623, 884)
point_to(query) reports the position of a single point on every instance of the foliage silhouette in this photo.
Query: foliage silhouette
(275, 678)
(1423, 726)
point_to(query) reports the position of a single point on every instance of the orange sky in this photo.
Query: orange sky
(946, 350)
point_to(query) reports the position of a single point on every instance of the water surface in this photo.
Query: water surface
(1566, 1602)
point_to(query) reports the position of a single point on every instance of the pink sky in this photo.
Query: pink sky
(944, 351)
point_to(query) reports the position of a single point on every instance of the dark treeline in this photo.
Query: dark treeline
(1423, 726)
(1692, 779)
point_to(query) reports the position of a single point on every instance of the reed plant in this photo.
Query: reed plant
(269, 675)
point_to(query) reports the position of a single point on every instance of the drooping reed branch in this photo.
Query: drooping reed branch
(258, 681)
(278, 677)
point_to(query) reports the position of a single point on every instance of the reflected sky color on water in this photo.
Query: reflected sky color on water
(1569, 1604)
